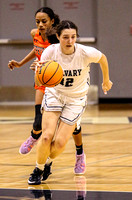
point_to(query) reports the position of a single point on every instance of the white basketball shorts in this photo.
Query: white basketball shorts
(71, 108)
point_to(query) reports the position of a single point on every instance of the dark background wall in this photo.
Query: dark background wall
(107, 21)
(114, 39)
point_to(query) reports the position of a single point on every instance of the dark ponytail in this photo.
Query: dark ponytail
(56, 20)
(51, 35)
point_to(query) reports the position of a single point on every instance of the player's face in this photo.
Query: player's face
(43, 22)
(67, 40)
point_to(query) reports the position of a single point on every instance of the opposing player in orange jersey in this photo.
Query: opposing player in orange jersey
(43, 36)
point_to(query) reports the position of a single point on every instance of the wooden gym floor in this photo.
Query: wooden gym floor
(107, 134)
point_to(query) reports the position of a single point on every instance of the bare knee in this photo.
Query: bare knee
(46, 138)
(60, 144)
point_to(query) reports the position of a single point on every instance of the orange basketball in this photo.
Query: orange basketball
(49, 74)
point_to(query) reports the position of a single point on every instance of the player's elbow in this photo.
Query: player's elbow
(103, 59)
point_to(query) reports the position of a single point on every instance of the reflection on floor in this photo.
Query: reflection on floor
(45, 193)
(16, 194)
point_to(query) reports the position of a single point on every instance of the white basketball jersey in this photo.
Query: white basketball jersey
(76, 68)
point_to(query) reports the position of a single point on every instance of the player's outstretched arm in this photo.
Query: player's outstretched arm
(107, 84)
(13, 63)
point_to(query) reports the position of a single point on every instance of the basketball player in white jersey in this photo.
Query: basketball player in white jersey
(67, 101)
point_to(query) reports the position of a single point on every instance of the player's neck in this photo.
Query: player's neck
(44, 37)
(68, 51)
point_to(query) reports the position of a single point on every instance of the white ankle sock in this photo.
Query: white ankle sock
(49, 160)
(40, 166)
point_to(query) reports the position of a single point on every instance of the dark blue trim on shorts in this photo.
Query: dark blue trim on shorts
(74, 118)
(52, 106)
(68, 119)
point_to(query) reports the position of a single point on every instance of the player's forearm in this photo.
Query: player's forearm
(27, 58)
(104, 68)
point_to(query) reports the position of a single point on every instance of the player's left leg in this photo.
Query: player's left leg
(80, 165)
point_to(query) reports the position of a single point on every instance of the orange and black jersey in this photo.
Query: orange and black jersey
(39, 44)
